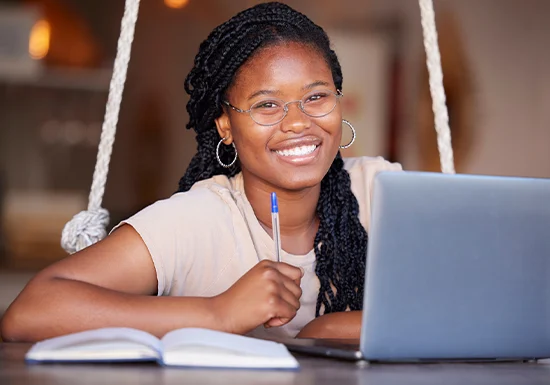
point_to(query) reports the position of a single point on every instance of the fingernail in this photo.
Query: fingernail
(303, 271)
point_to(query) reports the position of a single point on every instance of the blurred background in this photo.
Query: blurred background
(56, 60)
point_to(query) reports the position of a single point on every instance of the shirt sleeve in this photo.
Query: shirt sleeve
(177, 231)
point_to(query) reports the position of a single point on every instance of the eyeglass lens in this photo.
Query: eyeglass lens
(314, 104)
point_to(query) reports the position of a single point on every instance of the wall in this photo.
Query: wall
(506, 44)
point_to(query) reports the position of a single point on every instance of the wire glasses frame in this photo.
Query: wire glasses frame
(316, 108)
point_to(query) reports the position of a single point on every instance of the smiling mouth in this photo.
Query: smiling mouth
(298, 151)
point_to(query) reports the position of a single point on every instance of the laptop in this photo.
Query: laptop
(458, 269)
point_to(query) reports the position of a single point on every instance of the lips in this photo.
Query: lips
(297, 151)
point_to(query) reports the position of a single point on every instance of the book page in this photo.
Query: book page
(98, 344)
(225, 342)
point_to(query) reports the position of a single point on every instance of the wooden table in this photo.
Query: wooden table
(14, 371)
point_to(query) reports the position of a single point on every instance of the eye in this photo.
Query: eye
(318, 96)
(266, 104)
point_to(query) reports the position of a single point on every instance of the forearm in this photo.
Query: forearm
(334, 325)
(56, 306)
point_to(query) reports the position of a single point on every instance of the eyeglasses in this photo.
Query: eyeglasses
(269, 112)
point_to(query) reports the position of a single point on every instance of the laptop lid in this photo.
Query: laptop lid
(458, 267)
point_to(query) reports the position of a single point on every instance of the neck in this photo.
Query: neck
(297, 209)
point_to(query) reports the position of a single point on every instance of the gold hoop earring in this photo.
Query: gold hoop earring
(218, 154)
(353, 134)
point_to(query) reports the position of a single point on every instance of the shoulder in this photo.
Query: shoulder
(362, 171)
(215, 193)
(208, 202)
(367, 164)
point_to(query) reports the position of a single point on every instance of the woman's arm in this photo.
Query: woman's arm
(113, 283)
(334, 325)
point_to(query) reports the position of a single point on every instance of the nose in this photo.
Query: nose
(295, 120)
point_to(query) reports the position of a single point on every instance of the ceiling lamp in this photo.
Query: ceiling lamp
(176, 3)
(39, 42)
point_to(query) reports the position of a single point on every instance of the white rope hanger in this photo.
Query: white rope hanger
(433, 61)
(90, 226)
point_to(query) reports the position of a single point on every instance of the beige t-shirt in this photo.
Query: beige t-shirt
(202, 241)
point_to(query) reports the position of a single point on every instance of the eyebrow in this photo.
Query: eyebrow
(263, 92)
(274, 92)
(315, 84)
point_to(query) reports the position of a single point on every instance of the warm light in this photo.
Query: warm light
(176, 3)
(39, 42)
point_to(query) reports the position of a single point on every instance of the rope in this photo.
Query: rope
(88, 227)
(433, 61)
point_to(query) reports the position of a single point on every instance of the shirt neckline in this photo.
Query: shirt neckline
(267, 242)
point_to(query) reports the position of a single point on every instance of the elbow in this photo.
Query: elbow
(20, 324)
(12, 325)
(22, 318)
(9, 330)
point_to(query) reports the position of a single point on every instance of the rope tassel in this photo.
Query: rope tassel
(89, 227)
(85, 229)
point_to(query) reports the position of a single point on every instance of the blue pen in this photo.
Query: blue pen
(275, 226)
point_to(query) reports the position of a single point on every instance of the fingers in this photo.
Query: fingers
(292, 287)
(282, 313)
(290, 297)
(292, 272)
(282, 282)
(284, 301)
(283, 285)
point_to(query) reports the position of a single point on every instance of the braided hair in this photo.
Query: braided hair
(341, 242)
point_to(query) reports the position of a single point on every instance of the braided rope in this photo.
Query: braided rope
(433, 61)
(88, 227)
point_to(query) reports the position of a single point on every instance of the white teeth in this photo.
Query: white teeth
(298, 151)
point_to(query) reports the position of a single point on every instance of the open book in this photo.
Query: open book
(192, 347)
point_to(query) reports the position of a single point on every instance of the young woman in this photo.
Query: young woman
(264, 102)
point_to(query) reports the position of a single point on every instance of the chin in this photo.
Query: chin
(299, 181)
(301, 172)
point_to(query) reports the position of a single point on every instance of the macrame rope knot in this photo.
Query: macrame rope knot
(85, 229)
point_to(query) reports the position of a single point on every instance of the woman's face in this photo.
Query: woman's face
(297, 152)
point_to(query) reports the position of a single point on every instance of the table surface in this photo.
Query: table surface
(14, 371)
